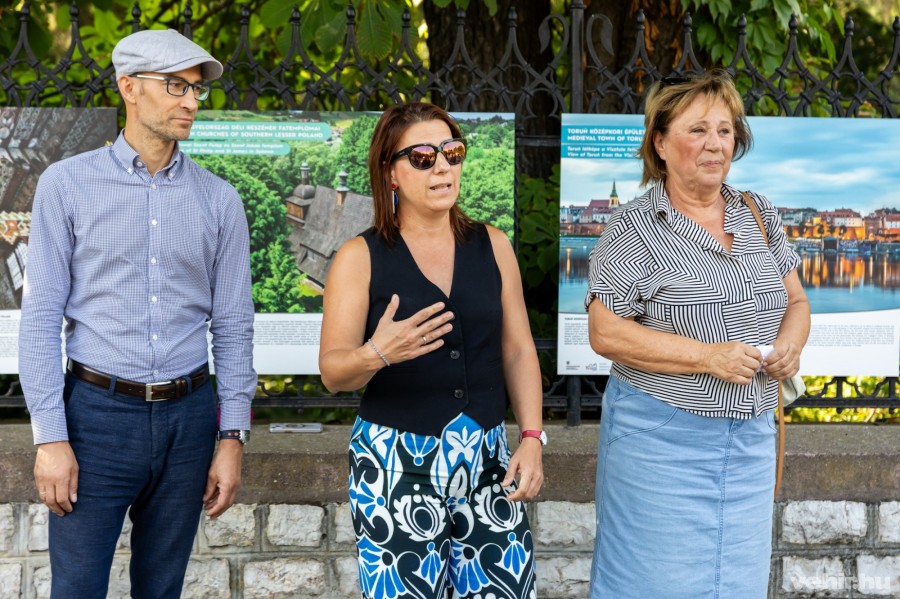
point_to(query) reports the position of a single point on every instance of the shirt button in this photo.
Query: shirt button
(155, 372)
(153, 186)
(154, 337)
(152, 260)
(153, 299)
(139, 164)
(153, 222)
(458, 394)
(454, 354)
(130, 171)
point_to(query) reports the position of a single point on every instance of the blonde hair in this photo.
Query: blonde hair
(670, 97)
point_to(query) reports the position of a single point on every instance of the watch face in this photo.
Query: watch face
(543, 438)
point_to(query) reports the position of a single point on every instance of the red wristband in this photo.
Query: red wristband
(539, 435)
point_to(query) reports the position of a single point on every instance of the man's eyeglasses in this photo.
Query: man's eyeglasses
(423, 156)
(179, 87)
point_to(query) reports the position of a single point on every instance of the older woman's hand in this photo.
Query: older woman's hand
(733, 361)
(784, 361)
(402, 340)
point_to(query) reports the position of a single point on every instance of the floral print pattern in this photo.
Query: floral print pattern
(430, 515)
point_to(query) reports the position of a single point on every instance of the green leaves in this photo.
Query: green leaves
(375, 30)
(768, 29)
(539, 229)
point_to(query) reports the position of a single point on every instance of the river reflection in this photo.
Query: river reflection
(849, 270)
(834, 282)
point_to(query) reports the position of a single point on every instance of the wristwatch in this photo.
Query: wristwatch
(242, 436)
(539, 435)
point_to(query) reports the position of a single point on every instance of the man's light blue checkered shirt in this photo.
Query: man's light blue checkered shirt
(138, 266)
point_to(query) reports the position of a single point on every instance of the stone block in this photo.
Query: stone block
(343, 525)
(878, 576)
(236, 527)
(563, 577)
(40, 582)
(10, 581)
(284, 578)
(822, 575)
(7, 528)
(124, 542)
(347, 573)
(37, 527)
(119, 578)
(299, 525)
(207, 579)
(565, 523)
(816, 522)
(889, 522)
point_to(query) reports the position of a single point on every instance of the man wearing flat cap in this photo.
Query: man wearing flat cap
(138, 252)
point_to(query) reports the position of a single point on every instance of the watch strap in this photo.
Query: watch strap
(239, 435)
(539, 435)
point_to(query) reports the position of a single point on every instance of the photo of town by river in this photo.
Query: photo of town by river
(836, 185)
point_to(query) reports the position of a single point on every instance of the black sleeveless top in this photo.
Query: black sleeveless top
(465, 374)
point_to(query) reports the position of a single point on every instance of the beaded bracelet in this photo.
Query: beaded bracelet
(380, 355)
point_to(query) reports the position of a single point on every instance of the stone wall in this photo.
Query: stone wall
(295, 546)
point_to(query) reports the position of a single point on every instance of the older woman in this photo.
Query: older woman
(426, 310)
(683, 291)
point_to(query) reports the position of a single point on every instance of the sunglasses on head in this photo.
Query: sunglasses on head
(674, 80)
(423, 156)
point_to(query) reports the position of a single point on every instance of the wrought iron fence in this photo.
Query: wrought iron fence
(575, 78)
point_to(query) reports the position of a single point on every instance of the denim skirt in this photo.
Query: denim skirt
(684, 502)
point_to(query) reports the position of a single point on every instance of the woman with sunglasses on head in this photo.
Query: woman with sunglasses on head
(426, 311)
(694, 296)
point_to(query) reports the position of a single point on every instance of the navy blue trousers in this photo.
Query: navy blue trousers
(147, 459)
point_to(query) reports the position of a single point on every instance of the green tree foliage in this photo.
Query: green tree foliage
(539, 249)
(715, 23)
(353, 152)
(485, 193)
(281, 287)
(318, 156)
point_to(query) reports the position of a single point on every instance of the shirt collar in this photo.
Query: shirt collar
(662, 207)
(129, 159)
(659, 201)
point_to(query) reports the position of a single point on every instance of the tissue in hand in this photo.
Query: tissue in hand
(765, 350)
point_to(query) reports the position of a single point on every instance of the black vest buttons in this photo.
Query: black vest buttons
(458, 394)
(454, 354)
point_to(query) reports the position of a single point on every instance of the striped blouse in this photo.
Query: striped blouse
(656, 265)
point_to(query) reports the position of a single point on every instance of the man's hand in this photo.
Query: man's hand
(56, 476)
(224, 477)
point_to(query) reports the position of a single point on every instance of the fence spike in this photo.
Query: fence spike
(135, 18)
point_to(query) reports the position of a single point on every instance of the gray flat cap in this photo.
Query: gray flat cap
(162, 51)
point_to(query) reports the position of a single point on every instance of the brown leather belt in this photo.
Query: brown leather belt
(151, 391)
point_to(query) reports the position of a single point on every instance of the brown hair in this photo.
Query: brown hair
(670, 97)
(388, 131)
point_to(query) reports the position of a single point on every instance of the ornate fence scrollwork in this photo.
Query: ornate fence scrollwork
(576, 78)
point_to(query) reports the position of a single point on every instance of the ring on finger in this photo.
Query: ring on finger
(424, 339)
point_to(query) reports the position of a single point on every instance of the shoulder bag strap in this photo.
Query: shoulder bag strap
(779, 457)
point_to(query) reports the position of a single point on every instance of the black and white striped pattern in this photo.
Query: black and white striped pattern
(658, 266)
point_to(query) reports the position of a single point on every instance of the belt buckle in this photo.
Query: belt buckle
(148, 391)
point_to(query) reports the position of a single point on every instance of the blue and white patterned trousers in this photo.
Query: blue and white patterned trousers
(430, 514)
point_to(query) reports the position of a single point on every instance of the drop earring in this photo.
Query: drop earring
(396, 198)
